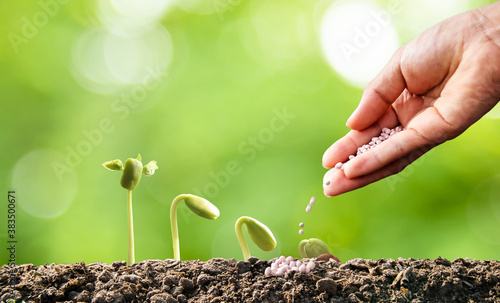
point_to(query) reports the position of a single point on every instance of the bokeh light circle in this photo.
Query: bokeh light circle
(483, 210)
(358, 38)
(105, 62)
(44, 189)
(89, 63)
(129, 58)
(130, 17)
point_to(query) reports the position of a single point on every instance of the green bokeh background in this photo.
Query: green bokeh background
(214, 106)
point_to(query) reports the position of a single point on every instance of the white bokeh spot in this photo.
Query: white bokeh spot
(131, 17)
(40, 191)
(105, 62)
(131, 42)
(358, 39)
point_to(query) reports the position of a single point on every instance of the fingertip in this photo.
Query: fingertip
(326, 160)
(327, 183)
(333, 183)
(323, 161)
(332, 190)
(327, 191)
(350, 120)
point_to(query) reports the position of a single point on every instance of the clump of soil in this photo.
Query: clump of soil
(222, 280)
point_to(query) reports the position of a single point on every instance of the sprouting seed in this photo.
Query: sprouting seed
(197, 205)
(131, 176)
(259, 233)
(132, 173)
(312, 248)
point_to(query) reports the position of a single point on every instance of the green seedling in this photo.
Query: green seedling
(197, 205)
(132, 172)
(259, 233)
(312, 248)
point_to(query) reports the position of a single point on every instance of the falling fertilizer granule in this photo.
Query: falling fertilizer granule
(311, 203)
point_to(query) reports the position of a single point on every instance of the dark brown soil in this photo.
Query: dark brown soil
(221, 280)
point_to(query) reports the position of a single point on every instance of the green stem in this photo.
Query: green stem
(241, 239)
(173, 226)
(131, 255)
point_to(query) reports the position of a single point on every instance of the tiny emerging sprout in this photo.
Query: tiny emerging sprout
(259, 233)
(131, 176)
(312, 248)
(197, 205)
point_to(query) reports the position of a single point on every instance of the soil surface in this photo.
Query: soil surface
(223, 280)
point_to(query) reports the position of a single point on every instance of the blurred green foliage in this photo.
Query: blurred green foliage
(236, 117)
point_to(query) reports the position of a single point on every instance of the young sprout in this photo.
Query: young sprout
(132, 172)
(197, 205)
(312, 248)
(259, 233)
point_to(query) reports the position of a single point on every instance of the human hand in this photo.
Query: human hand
(436, 86)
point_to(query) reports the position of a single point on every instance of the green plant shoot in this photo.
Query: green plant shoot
(132, 172)
(197, 205)
(312, 248)
(259, 233)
